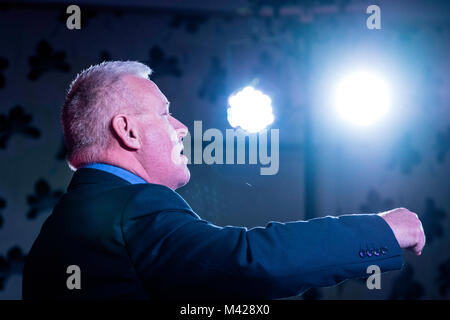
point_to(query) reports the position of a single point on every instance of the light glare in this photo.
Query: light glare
(250, 109)
(362, 98)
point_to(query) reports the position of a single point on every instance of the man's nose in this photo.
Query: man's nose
(180, 128)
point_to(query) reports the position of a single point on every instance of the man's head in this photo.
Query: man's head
(114, 114)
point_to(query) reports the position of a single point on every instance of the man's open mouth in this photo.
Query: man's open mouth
(178, 154)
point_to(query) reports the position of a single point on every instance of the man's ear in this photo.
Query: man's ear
(126, 131)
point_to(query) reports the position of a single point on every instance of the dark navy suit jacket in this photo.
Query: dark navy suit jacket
(143, 241)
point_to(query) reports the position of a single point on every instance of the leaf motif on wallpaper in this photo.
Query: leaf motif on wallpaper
(10, 265)
(2, 206)
(191, 22)
(43, 199)
(442, 145)
(374, 203)
(443, 278)
(405, 287)
(214, 82)
(3, 65)
(404, 156)
(432, 219)
(163, 65)
(16, 122)
(45, 60)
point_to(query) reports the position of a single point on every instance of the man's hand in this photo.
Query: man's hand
(407, 229)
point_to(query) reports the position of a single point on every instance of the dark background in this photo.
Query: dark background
(201, 51)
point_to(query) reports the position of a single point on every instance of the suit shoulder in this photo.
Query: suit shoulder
(154, 198)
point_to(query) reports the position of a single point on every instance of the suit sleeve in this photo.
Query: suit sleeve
(178, 255)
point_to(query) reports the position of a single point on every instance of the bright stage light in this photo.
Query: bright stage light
(362, 98)
(250, 109)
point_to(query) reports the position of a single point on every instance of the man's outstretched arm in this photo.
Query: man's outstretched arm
(178, 255)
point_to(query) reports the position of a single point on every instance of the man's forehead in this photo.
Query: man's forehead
(146, 88)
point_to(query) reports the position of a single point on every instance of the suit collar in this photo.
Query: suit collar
(86, 176)
(120, 172)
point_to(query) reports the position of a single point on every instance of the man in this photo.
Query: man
(122, 232)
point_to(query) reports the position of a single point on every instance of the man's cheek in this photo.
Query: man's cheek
(175, 156)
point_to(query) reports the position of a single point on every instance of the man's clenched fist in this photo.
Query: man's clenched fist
(407, 229)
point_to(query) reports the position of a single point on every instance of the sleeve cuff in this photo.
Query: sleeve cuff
(382, 246)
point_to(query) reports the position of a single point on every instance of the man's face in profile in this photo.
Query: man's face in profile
(160, 134)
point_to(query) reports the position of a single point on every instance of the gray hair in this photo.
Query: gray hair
(95, 95)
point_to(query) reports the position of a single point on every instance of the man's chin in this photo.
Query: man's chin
(185, 177)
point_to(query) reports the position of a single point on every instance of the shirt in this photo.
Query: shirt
(117, 171)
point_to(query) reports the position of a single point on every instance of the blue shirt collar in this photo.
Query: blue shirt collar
(117, 171)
